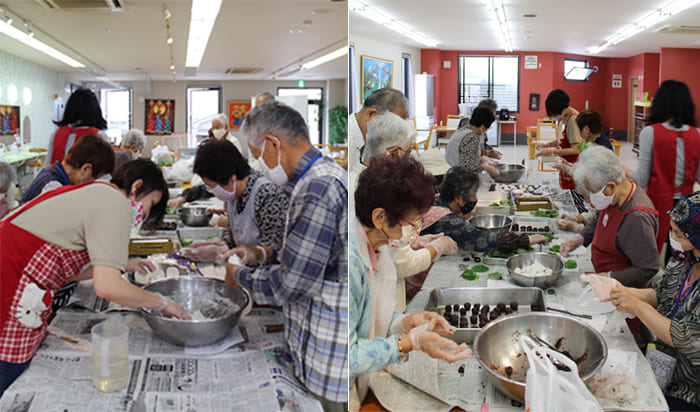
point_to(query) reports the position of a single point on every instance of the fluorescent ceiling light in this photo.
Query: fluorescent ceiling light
(499, 12)
(326, 58)
(646, 22)
(30, 41)
(202, 18)
(379, 17)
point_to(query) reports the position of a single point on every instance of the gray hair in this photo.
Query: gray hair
(265, 96)
(134, 137)
(596, 166)
(7, 176)
(277, 119)
(386, 100)
(458, 181)
(221, 118)
(387, 130)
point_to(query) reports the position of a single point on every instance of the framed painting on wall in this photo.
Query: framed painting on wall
(376, 74)
(9, 119)
(237, 110)
(160, 116)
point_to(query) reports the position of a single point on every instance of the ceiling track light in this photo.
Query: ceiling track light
(380, 18)
(172, 67)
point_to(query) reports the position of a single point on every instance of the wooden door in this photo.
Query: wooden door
(634, 88)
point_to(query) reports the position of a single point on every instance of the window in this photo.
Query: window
(576, 75)
(203, 103)
(490, 77)
(314, 115)
(351, 79)
(116, 109)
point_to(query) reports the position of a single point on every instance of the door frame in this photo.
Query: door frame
(634, 84)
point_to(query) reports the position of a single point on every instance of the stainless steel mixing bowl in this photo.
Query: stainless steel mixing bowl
(494, 223)
(497, 347)
(220, 305)
(547, 260)
(509, 172)
(195, 216)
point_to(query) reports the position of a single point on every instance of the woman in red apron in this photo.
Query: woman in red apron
(664, 170)
(558, 107)
(72, 233)
(623, 234)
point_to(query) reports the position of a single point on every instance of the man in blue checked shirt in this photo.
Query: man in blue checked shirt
(308, 277)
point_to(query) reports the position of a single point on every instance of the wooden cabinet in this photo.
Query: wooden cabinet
(642, 111)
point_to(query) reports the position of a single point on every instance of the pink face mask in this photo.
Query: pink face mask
(223, 194)
(136, 213)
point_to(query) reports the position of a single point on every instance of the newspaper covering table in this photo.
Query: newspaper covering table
(428, 384)
(254, 376)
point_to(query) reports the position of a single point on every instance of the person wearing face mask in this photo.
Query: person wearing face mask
(88, 159)
(7, 177)
(392, 194)
(69, 234)
(671, 309)
(130, 148)
(457, 200)
(255, 207)
(623, 234)
(219, 131)
(469, 147)
(309, 276)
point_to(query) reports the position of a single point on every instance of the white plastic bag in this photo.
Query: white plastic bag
(548, 389)
(162, 156)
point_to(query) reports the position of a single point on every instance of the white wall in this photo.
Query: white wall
(385, 50)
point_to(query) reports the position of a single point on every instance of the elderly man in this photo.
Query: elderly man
(623, 234)
(130, 148)
(380, 101)
(309, 275)
(263, 97)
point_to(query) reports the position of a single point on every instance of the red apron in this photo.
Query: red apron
(60, 139)
(566, 181)
(604, 253)
(29, 264)
(661, 186)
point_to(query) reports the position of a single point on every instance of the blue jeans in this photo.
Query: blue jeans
(9, 372)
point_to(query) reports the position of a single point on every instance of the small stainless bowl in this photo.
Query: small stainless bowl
(510, 173)
(195, 216)
(494, 223)
(553, 262)
(497, 347)
(220, 304)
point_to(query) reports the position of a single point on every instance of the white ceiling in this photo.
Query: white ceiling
(562, 26)
(247, 33)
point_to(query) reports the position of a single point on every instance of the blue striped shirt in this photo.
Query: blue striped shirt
(310, 278)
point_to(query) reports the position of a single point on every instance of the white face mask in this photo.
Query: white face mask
(276, 175)
(219, 133)
(676, 245)
(600, 201)
(136, 155)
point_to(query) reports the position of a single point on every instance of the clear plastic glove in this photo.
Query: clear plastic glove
(205, 251)
(491, 170)
(176, 202)
(432, 321)
(141, 266)
(570, 245)
(436, 346)
(601, 284)
(489, 161)
(249, 255)
(541, 146)
(175, 310)
(567, 223)
(422, 241)
(444, 246)
(494, 154)
(624, 300)
(535, 239)
(563, 165)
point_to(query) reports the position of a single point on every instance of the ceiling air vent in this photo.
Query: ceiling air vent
(243, 70)
(681, 29)
(82, 5)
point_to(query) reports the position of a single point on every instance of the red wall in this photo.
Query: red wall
(616, 106)
(680, 64)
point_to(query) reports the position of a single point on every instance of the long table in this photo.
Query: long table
(427, 384)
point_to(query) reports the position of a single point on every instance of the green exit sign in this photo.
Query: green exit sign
(301, 83)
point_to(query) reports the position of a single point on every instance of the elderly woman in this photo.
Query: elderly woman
(390, 135)
(88, 159)
(219, 131)
(669, 151)
(7, 177)
(456, 203)
(131, 147)
(256, 207)
(73, 233)
(623, 234)
(391, 195)
(671, 309)
(469, 146)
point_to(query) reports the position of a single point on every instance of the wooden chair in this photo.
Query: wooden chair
(425, 144)
(337, 153)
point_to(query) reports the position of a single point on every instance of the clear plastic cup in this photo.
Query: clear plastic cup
(110, 355)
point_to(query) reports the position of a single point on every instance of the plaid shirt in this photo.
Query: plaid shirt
(310, 280)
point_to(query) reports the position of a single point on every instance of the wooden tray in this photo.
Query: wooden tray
(524, 203)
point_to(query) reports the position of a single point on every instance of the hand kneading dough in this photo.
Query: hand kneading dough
(149, 277)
